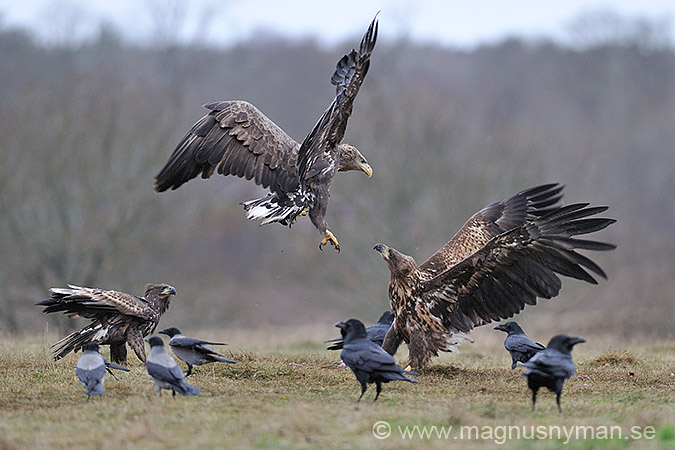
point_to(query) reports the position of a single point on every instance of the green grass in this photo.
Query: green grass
(294, 395)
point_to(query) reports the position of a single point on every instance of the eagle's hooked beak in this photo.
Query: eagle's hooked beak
(365, 167)
(169, 290)
(382, 250)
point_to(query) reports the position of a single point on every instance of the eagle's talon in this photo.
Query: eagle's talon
(330, 238)
(303, 213)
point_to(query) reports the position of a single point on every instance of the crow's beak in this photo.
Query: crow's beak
(576, 340)
(341, 325)
(162, 332)
(147, 339)
(499, 327)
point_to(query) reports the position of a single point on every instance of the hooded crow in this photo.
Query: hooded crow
(165, 371)
(193, 352)
(91, 368)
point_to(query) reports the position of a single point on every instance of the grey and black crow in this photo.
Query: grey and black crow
(165, 371)
(193, 352)
(521, 347)
(91, 368)
(376, 332)
(367, 360)
(550, 368)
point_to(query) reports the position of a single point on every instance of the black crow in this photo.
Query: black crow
(376, 332)
(91, 368)
(193, 352)
(521, 347)
(550, 368)
(165, 371)
(367, 360)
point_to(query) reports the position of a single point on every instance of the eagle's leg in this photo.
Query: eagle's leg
(317, 214)
(135, 341)
(330, 238)
(419, 353)
(303, 213)
(392, 340)
(118, 353)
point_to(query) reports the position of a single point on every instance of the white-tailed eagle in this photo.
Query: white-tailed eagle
(117, 318)
(235, 138)
(504, 257)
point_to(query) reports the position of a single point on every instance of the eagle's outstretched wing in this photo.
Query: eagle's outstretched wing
(515, 268)
(489, 223)
(318, 150)
(91, 303)
(235, 138)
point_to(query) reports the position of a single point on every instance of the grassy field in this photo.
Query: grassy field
(291, 393)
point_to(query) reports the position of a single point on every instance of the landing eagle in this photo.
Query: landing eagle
(236, 138)
(117, 318)
(504, 257)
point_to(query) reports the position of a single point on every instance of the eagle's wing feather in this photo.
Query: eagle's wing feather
(515, 268)
(318, 151)
(490, 222)
(95, 303)
(234, 138)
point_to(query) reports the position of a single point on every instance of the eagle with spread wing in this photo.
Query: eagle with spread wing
(235, 138)
(504, 257)
(117, 318)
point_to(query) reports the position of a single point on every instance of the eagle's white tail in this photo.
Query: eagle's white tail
(269, 210)
(455, 340)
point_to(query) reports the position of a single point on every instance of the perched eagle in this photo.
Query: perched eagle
(235, 138)
(503, 258)
(117, 318)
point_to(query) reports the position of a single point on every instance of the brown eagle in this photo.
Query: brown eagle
(117, 318)
(235, 138)
(503, 258)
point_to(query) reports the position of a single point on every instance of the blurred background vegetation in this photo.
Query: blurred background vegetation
(85, 126)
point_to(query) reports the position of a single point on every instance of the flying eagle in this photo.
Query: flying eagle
(503, 258)
(117, 318)
(236, 138)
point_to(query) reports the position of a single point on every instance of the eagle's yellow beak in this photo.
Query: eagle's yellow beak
(169, 290)
(365, 167)
(382, 250)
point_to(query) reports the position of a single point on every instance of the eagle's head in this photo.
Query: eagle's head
(352, 159)
(161, 293)
(399, 264)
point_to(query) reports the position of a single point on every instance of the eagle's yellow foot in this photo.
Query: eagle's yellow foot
(303, 213)
(330, 237)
